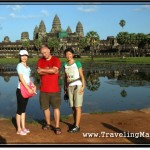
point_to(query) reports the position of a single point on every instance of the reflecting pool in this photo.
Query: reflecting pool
(106, 91)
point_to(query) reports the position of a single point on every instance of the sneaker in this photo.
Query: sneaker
(21, 132)
(75, 129)
(26, 130)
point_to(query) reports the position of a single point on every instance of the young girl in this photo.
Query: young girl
(24, 73)
(74, 85)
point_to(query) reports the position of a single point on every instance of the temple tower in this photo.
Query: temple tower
(79, 29)
(56, 25)
(6, 39)
(42, 30)
(24, 36)
(69, 30)
(35, 33)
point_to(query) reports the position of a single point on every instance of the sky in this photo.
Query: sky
(102, 18)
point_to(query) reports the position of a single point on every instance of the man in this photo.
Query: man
(48, 68)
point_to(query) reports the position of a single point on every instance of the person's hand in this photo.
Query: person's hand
(39, 70)
(30, 91)
(81, 91)
(34, 89)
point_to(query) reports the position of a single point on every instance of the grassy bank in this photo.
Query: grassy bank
(127, 60)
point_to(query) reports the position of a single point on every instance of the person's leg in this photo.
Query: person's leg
(57, 117)
(71, 102)
(47, 116)
(19, 110)
(18, 121)
(77, 105)
(23, 115)
(78, 115)
(74, 115)
(57, 121)
(45, 106)
(23, 121)
(56, 102)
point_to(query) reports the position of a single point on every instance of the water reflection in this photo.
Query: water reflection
(106, 90)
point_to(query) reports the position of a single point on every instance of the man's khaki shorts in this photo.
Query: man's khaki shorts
(50, 99)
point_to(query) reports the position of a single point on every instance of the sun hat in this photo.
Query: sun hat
(23, 52)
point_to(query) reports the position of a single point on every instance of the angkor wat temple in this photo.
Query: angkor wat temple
(67, 38)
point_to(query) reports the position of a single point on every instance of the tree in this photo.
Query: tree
(123, 93)
(82, 44)
(25, 44)
(122, 23)
(54, 44)
(38, 44)
(92, 81)
(92, 39)
(123, 39)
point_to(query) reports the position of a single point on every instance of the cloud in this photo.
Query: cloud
(87, 9)
(45, 13)
(15, 8)
(13, 15)
(143, 8)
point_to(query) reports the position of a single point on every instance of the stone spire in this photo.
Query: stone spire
(69, 30)
(24, 36)
(6, 39)
(56, 26)
(35, 34)
(42, 30)
(79, 29)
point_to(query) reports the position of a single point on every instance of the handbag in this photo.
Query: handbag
(66, 97)
(24, 91)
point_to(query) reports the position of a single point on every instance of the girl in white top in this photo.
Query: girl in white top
(74, 85)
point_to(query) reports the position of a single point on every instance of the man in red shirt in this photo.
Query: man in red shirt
(48, 68)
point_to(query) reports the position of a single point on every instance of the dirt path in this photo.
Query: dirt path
(105, 127)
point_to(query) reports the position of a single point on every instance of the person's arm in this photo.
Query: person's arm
(82, 80)
(43, 71)
(65, 84)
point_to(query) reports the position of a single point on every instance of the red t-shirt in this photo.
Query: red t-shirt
(49, 82)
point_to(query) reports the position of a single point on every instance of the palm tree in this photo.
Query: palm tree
(92, 38)
(123, 93)
(122, 23)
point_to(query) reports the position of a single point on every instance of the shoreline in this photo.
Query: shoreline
(65, 117)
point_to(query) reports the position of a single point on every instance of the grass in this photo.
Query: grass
(96, 112)
(112, 60)
(63, 117)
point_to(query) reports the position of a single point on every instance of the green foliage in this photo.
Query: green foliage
(92, 39)
(53, 43)
(38, 44)
(25, 44)
(86, 61)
